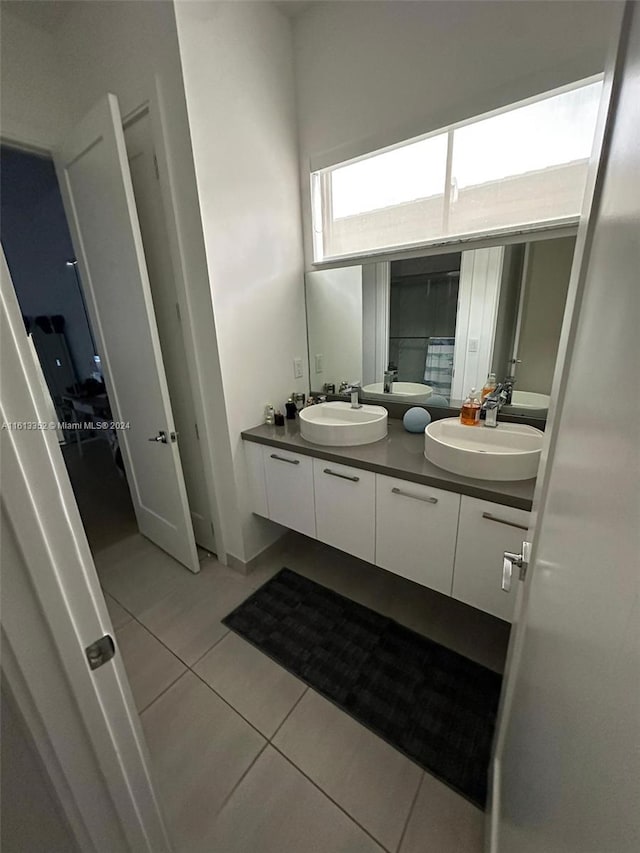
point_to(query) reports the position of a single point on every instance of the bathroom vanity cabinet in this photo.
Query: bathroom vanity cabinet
(450, 542)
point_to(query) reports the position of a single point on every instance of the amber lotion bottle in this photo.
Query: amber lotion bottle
(470, 411)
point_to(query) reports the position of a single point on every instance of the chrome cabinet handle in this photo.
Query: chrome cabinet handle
(495, 518)
(284, 459)
(427, 500)
(342, 476)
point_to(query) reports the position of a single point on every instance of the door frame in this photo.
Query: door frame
(199, 372)
(101, 776)
(575, 293)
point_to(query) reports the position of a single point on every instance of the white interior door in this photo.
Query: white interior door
(567, 764)
(98, 196)
(145, 177)
(82, 721)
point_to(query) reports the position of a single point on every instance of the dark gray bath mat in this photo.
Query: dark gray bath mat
(432, 704)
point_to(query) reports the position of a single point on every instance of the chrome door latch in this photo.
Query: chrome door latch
(162, 437)
(100, 652)
(519, 561)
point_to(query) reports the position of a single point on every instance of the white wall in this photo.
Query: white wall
(334, 319)
(34, 102)
(237, 61)
(369, 74)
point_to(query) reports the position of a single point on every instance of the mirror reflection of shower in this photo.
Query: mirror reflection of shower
(422, 319)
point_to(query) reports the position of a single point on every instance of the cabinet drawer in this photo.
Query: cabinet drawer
(289, 487)
(416, 531)
(345, 508)
(485, 532)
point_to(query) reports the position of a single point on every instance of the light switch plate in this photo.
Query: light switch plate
(319, 362)
(297, 368)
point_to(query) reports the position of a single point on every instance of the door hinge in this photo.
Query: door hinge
(197, 432)
(178, 312)
(212, 530)
(100, 652)
(155, 166)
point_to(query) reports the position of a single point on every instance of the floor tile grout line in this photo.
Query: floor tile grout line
(242, 777)
(162, 692)
(197, 675)
(229, 705)
(291, 710)
(410, 812)
(119, 603)
(330, 798)
(162, 642)
(210, 649)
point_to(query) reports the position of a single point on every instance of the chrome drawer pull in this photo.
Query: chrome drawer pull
(284, 459)
(490, 517)
(415, 497)
(342, 476)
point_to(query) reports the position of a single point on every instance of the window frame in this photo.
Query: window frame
(320, 189)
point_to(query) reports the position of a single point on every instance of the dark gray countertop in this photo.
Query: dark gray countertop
(400, 454)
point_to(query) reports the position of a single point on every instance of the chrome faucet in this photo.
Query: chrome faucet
(390, 376)
(494, 401)
(507, 385)
(354, 390)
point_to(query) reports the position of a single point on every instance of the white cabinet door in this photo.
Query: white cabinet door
(289, 487)
(345, 508)
(416, 531)
(254, 456)
(485, 532)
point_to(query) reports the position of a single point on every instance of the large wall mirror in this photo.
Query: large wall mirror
(442, 323)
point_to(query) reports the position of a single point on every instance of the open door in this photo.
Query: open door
(98, 197)
(64, 673)
(566, 771)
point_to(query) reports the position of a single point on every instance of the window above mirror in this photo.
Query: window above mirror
(524, 166)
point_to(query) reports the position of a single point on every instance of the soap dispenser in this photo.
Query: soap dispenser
(489, 386)
(470, 411)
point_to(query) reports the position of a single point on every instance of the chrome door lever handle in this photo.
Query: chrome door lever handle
(161, 436)
(518, 561)
(510, 560)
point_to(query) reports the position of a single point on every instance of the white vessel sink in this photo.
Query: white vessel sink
(413, 391)
(338, 425)
(530, 400)
(508, 452)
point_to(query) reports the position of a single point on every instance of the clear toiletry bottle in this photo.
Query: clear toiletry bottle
(269, 414)
(470, 411)
(489, 386)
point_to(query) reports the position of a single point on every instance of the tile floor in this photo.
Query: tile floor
(247, 759)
